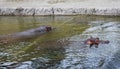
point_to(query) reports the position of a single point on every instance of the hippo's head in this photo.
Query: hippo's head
(48, 28)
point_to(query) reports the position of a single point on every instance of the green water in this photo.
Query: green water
(47, 45)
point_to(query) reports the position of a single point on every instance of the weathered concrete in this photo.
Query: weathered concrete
(59, 11)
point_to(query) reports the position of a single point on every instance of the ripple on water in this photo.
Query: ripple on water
(80, 57)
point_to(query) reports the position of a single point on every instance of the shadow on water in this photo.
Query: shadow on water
(61, 48)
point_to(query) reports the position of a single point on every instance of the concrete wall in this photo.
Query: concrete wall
(58, 11)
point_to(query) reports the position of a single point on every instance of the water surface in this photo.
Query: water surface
(62, 48)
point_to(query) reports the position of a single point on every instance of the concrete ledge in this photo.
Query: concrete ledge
(58, 11)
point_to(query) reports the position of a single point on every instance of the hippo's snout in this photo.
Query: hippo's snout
(48, 28)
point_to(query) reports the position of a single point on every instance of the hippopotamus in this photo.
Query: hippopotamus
(95, 41)
(25, 34)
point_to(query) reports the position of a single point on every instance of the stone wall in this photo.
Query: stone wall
(59, 11)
